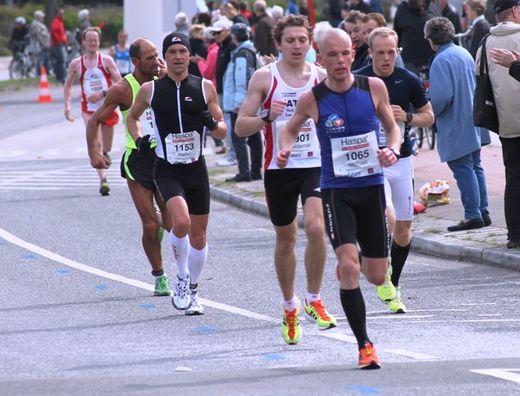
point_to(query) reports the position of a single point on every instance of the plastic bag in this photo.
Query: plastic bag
(435, 193)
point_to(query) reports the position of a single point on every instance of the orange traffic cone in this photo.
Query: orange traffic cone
(45, 94)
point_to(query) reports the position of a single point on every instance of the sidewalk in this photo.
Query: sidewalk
(430, 236)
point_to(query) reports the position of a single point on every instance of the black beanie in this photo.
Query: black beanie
(175, 38)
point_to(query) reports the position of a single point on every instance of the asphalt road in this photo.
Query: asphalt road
(77, 313)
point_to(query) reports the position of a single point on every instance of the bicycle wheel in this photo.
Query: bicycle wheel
(16, 68)
(430, 136)
(420, 136)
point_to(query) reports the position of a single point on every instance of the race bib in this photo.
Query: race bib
(306, 145)
(94, 81)
(182, 148)
(355, 156)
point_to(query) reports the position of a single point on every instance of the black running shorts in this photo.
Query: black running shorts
(357, 215)
(189, 181)
(282, 188)
(138, 167)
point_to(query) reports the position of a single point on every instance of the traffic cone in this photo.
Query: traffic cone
(45, 94)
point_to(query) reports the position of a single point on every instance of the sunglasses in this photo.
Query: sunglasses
(216, 33)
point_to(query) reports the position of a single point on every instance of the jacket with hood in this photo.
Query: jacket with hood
(237, 76)
(505, 88)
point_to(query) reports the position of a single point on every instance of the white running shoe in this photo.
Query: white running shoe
(181, 298)
(196, 308)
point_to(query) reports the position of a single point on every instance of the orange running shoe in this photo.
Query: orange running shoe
(368, 359)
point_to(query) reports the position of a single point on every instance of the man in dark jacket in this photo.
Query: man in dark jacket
(409, 21)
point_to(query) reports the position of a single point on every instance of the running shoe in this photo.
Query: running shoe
(181, 298)
(291, 330)
(386, 291)
(368, 359)
(162, 286)
(316, 312)
(195, 308)
(396, 305)
(104, 189)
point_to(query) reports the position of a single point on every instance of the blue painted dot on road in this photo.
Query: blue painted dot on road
(274, 357)
(365, 390)
(29, 257)
(148, 307)
(101, 287)
(205, 329)
(63, 271)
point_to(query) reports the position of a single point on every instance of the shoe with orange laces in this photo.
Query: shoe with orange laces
(316, 312)
(291, 330)
(368, 359)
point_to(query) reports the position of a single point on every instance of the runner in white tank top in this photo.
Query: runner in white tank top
(271, 100)
(306, 151)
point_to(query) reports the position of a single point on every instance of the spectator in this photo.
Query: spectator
(41, 39)
(509, 59)
(202, 18)
(353, 25)
(84, 19)
(336, 12)
(220, 30)
(277, 12)
(479, 26)
(236, 80)
(448, 11)
(304, 8)
(359, 5)
(231, 10)
(181, 24)
(409, 21)
(58, 43)
(264, 42)
(452, 84)
(245, 11)
(198, 47)
(292, 8)
(506, 35)
(489, 12)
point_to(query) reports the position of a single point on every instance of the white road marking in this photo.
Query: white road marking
(502, 373)
(213, 304)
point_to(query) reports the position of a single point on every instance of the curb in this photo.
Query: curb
(491, 256)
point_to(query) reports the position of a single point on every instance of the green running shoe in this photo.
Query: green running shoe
(291, 330)
(162, 286)
(104, 189)
(396, 305)
(316, 312)
(386, 291)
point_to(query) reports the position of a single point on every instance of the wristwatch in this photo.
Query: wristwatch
(409, 117)
(264, 115)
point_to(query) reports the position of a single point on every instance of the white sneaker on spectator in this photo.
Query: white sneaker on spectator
(226, 162)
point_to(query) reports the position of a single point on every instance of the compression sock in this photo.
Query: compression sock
(399, 254)
(196, 261)
(180, 252)
(355, 311)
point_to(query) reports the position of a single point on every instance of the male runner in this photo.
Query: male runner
(96, 73)
(405, 89)
(181, 105)
(346, 110)
(136, 167)
(276, 89)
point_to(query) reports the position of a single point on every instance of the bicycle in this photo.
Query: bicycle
(428, 133)
(23, 64)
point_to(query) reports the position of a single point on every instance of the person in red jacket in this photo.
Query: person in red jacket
(58, 43)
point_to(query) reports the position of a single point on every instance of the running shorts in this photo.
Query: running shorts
(189, 181)
(282, 188)
(139, 167)
(357, 215)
